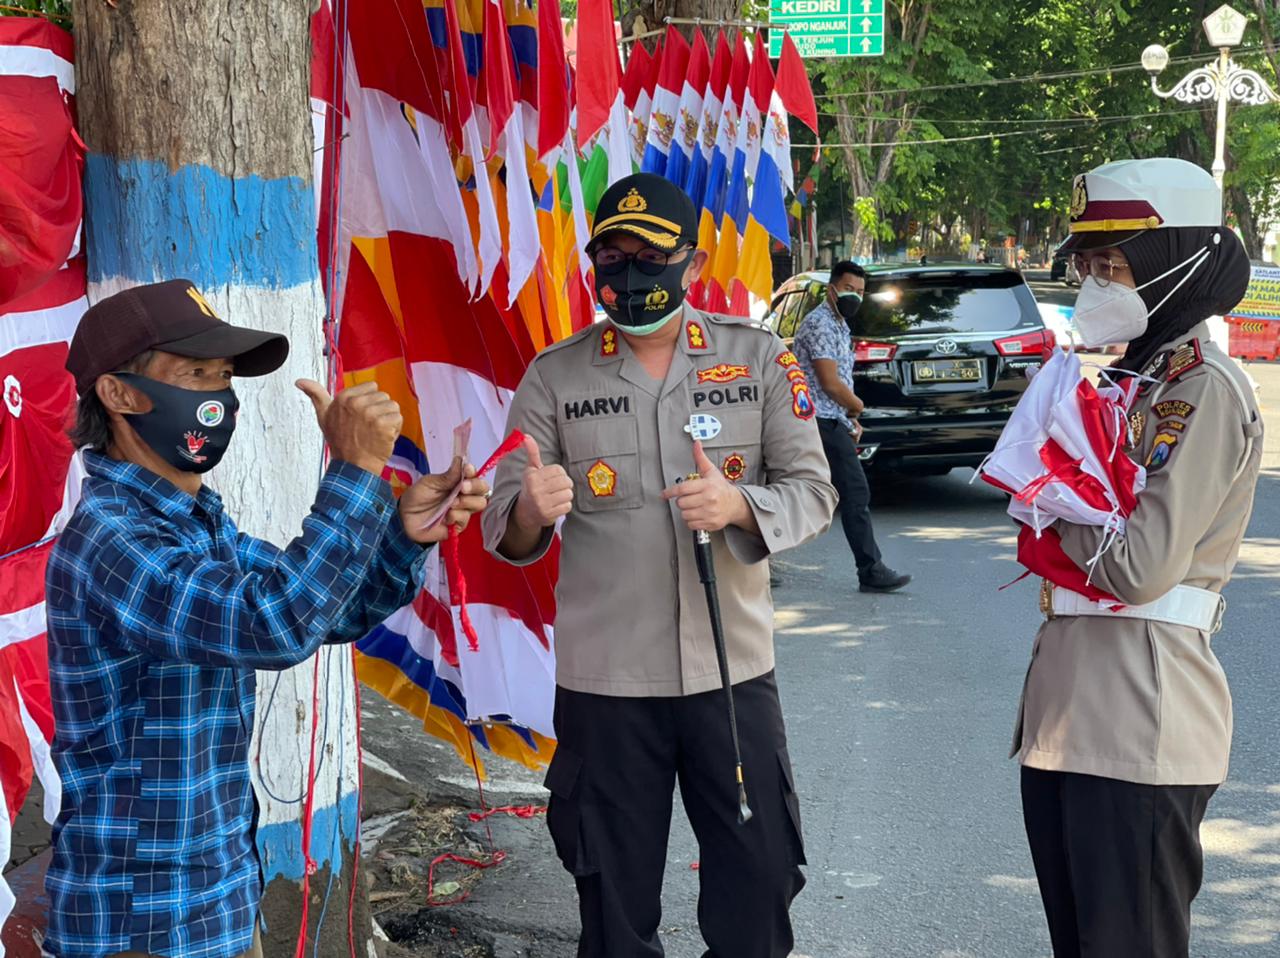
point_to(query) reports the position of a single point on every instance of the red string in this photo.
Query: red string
(480, 864)
(452, 559)
(355, 855)
(307, 811)
(519, 811)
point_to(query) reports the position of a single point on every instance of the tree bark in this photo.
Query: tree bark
(653, 12)
(198, 122)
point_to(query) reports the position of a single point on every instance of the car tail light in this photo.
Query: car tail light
(1028, 344)
(866, 352)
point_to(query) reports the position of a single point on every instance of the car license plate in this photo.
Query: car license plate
(947, 371)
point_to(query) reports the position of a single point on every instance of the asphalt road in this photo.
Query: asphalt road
(900, 711)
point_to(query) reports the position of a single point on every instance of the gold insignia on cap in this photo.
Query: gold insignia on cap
(633, 202)
(201, 302)
(657, 298)
(1079, 197)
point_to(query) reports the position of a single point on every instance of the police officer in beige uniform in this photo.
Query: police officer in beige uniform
(1125, 726)
(639, 703)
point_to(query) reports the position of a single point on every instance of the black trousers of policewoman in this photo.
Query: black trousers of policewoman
(1118, 863)
(612, 778)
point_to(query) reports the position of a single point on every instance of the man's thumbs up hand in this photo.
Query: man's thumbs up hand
(710, 502)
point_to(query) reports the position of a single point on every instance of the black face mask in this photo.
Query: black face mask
(187, 428)
(639, 301)
(848, 304)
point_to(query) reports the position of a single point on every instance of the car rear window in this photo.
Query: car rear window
(946, 303)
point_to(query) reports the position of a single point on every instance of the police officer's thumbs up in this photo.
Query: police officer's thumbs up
(546, 492)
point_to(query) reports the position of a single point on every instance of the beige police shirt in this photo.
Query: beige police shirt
(1145, 701)
(631, 613)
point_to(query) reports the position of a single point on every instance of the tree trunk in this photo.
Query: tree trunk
(198, 123)
(653, 12)
(1238, 202)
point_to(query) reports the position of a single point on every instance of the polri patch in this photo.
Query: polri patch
(1185, 358)
(1161, 450)
(601, 479)
(801, 402)
(726, 396)
(694, 335)
(734, 467)
(722, 373)
(1173, 407)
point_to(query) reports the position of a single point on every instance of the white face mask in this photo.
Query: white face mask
(1115, 314)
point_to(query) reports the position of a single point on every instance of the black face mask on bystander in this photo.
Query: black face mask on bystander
(189, 429)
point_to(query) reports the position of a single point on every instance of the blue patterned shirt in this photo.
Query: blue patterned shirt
(823, 334)
(159, 611)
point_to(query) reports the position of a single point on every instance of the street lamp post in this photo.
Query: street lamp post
(1222, 80)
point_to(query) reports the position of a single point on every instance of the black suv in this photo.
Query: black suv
(942, 354)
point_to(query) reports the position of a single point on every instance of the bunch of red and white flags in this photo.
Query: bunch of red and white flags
(1062, 458)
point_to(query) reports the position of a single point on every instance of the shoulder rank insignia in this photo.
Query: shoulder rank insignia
(695, 336)
(609, 342)
(723, 373)
(734, 467)
(1161, 449)
(1137, 421)
(1173, 407)
(1186, 357)
(602, 479)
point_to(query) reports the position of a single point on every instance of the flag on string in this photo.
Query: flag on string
(695, 183)
(715, 295)
(666, 103)
(767, 218)
(685, 141)
(43, 284)
(553, 81)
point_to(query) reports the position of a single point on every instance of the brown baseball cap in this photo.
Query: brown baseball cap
(172, 317)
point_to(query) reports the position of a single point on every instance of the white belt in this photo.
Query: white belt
(1182, 605)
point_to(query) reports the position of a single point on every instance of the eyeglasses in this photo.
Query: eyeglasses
(610, 260)
(1099, 267)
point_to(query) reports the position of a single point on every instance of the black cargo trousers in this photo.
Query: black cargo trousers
(612, 781)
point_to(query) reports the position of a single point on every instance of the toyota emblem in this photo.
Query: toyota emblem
(946, 346)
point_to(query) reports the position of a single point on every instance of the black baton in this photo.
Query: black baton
(707, 573)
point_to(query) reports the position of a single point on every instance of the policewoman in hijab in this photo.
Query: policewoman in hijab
(1124, 732)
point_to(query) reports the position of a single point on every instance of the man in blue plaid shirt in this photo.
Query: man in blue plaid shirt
(160, 611)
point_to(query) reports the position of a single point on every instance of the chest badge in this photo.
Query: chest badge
(1137, 422)
(734, 467)
(723, 373)
(703, 427)
(602, 480)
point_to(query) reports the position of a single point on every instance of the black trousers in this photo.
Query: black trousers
(611, 780)
(850, 480)
(1118, 863)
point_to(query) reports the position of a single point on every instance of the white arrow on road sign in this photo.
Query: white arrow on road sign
(866, 6)
(866, 44)
(866, 24)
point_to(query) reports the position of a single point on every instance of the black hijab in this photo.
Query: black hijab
(1215, 287)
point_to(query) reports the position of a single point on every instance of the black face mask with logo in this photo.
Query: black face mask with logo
(189, 429)
(641, 302)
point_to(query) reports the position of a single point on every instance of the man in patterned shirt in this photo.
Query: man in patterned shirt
(159, 612)
(824, 347)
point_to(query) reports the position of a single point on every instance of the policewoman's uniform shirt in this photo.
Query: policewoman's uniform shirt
(631, 613)
(1132, 699)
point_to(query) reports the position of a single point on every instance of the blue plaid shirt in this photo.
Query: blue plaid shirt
(159, 612)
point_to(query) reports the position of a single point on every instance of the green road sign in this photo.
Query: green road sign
(828, 28)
